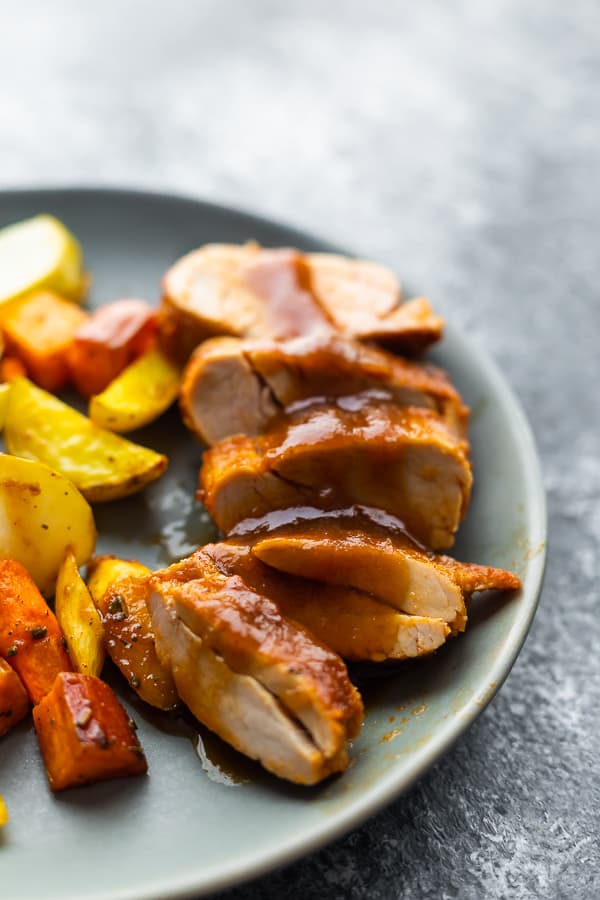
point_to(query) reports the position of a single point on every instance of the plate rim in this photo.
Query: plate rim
(393, 783)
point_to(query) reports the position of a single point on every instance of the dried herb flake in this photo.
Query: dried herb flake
(39, 632)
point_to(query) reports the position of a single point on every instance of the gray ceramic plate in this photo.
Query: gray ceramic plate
(182, 831)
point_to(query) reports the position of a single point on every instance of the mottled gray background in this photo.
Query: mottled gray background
(461, 142)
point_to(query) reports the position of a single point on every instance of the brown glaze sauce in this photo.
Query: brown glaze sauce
(358, 402)
(328, 523)
(282, 280)
(371, 415)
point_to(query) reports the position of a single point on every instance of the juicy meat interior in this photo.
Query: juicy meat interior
(233, 386)
(260, 681)
(356, 450)
(226, 289)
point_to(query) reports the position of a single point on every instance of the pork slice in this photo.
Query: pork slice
(348, 621)
(261, 682)
(233, 386)
(358, 450)
(202, 296)
(350, 548)
(415, 582)
(222, 394)
(227, 289)
(409, 581)
(365, 301)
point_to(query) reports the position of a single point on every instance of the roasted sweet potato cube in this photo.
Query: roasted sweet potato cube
(14, 702)
(85, 734)
(38, 330)
(30, 637)
(110, 339)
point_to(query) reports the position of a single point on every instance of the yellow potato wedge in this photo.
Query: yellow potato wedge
(101, 464)
(103, 571)
(4, 390)
(3, 812)
(41, 515)
(119, 590)
(40, 253)
(79, 619)
(139, 395)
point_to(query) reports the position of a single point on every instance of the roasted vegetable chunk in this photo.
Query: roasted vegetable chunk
(39, 330)
(111, 338)
(40, 253)
(120, 590)
(79, 619)
(41, 515)
(102, 465)
(85, 734)
(30, 637)
(14, 702)
(139, 395)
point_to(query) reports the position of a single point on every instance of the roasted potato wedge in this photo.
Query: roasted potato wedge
(139, 395)
(102, 465)
(119, 589)
(79, 619)
(103, 571)
(42, 514)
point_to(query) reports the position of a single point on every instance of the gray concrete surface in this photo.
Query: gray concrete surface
(461, 142)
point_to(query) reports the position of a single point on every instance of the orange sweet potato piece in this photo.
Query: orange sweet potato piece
(39, 330)
(85, 734)
(11, 367)
(110, 339)
(14, 702)
(30, 637)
